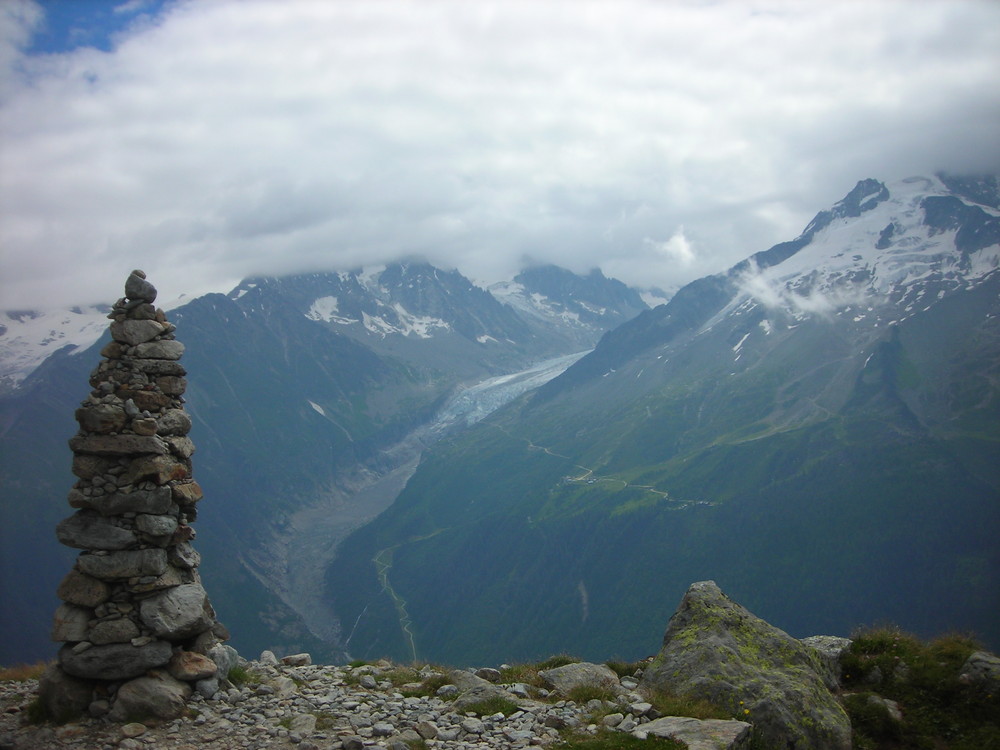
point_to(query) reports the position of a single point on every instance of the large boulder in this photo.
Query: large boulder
(715, 649)
(473, 690)
(580, 674)
(157, 695)
(64, 697)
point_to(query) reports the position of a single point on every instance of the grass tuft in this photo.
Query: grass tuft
(559, 660)
(607, 739)
(939, 712)
(669, 704)
(241, 676)
(495, 705)
(624, 668)
(23, 672)
(583, 693)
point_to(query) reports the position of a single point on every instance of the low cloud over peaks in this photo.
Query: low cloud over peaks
(657, 141)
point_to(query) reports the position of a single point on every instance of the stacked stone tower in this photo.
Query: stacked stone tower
(137, 626)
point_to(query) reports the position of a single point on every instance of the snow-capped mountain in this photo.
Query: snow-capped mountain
(817, 427)
(397, 309)
(28, 337)
(882, 253)
(422, 313)
(877, 257)
(558, 299)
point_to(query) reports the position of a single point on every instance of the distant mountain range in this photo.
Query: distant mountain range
(816, 428)
(397, 462)
(313, 396)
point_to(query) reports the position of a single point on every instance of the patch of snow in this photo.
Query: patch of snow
(592, 309)
(484, 338)
(421, 325)
(317, 407)
(377, 325)
(324, 309)
(739, 344)
(368, 278)
(30, 337)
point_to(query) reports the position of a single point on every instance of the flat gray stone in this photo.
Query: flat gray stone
(156, 501)
(122, 630)
(86, 529)
(118, 445)
(159, 367)
(156, 525)
(115, 661)
(133, 332)
(166, 349)
(124, 564)
(699, 734)
(69, 624)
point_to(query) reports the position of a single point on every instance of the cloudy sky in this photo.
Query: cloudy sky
(208, 140)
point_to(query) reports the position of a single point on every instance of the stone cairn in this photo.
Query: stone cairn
(138, 630)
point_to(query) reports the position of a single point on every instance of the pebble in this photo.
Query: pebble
(318, 707)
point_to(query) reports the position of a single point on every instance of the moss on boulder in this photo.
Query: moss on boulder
(715, 649)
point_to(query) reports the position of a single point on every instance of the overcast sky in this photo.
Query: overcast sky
(211, 140)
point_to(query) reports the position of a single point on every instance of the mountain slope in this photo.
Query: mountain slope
(312, 398)
(817, 428)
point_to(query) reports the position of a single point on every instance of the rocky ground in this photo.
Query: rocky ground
(326, 708)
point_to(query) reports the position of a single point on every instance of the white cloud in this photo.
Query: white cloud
(231, 138)
(775, 294)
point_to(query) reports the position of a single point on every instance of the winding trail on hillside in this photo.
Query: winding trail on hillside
(588, 473)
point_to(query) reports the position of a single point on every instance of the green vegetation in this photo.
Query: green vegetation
(938, 711)
(813, 469)
(241, 676)
(427, 687)
(669, 704)
(495, 705)
(38, 713)
(624, 668)
(585, 693)
(606, 739)
(22, 672)
(559, 660)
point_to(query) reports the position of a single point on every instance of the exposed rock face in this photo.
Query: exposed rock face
(717, 650)
(133, 602)
(982, 669)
